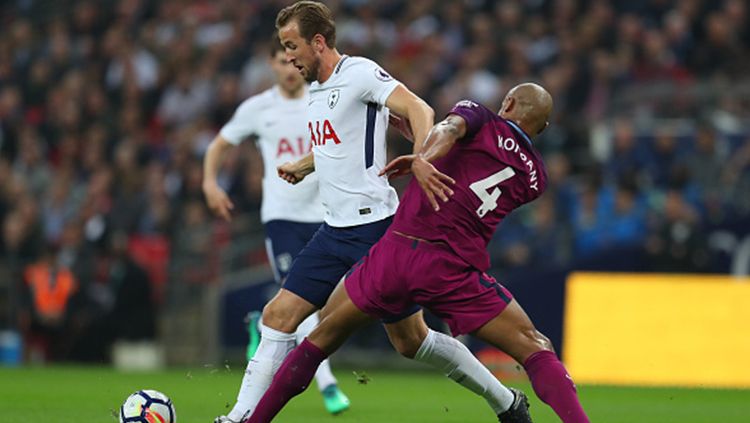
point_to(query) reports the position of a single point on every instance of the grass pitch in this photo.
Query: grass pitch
(93, 394)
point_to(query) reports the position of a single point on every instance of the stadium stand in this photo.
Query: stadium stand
(106, 108)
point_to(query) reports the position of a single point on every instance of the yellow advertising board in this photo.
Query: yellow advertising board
(655, 329)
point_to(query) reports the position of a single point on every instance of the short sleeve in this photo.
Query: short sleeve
(242, 124)
(474, 114)
(377, 84)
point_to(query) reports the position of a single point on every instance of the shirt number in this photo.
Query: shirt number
(489, 197)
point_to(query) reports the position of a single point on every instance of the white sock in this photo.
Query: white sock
(458, 363)
(273, 348)
(323, 376)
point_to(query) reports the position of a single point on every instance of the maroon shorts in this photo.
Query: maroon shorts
(400, 272)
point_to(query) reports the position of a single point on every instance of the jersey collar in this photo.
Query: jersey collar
(520, 131)
(341, 62)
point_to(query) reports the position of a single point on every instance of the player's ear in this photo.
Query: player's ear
(318, 42)
(546, 124)
(508, 105)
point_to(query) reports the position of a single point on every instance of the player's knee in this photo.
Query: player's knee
(279, 318)
(407, 346)
(536, 341)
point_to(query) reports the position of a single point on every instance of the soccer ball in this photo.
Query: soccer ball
(147, 406)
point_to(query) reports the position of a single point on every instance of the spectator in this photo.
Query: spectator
(49, 288)
(678, 243)
(106, 107)
(186, 100)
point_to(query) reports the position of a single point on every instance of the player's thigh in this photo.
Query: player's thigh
(360, 239)
(457, 293)
(317, 269)
(407, 334)
(338, 297)
(513, 332)
(339, 319)
(284, 241)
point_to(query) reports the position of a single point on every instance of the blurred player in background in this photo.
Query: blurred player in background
(290, 213)
(350, 101)
(438, 258)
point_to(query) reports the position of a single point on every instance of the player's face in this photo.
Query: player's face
(300, 52)
(287, 76)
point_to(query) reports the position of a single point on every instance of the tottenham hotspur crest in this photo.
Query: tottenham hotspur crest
(333, 98)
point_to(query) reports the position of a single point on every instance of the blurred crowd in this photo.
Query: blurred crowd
(107, 107)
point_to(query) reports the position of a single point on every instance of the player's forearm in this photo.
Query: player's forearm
(421, 117)
(212, 161)
(306, 165)
(419, 114)
(438, 143)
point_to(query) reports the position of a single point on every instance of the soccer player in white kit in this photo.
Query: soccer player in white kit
(349, 106)
(290, 213)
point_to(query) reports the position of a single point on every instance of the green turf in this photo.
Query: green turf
(76, 394)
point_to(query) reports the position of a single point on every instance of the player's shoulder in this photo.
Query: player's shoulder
(474, 113)
(351, 65)
(349, 62)
(473, 106)
(259, 101)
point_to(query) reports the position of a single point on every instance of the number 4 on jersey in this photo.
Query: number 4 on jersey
(482, 189)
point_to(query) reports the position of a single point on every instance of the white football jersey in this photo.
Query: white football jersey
(347, 125)
(280, 125)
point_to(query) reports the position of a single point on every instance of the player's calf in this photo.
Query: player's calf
(553, 385)
(513, 332)
(293, 378)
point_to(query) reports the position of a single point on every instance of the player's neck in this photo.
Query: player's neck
(524, 126)
(328, 64)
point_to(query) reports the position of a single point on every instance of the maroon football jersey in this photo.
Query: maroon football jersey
(496, 170)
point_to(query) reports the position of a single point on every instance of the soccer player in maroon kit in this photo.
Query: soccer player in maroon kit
(475, 168)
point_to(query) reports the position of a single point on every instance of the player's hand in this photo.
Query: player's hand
(289, 172)
(402, 124)
(399, 166)
(433, 182)
(218, 201)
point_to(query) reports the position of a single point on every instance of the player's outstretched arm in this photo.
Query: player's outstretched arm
(217, 199)
(418, 114)
(295, 172)
(441, 139)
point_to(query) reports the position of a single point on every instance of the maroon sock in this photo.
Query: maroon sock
(292, 379)
(553, 385)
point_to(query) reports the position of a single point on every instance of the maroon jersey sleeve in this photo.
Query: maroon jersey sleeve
(474, 114)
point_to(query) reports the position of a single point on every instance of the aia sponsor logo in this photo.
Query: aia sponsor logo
(322, 132)
(297, 148)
